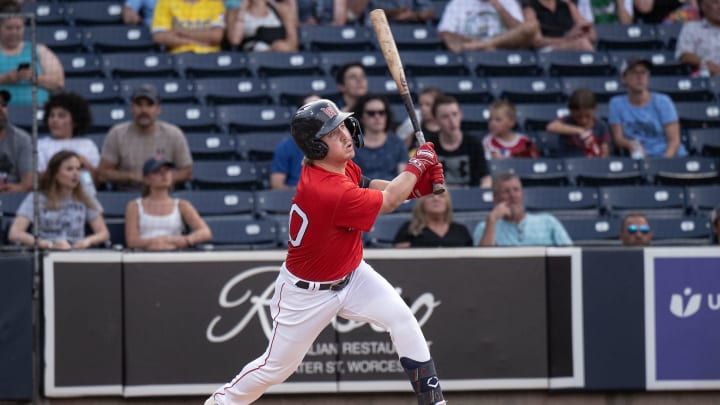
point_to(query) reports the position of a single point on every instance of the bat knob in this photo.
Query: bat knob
(438, 188)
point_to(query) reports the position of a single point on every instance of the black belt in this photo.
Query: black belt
(336, 286)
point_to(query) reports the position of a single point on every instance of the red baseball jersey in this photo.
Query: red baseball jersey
(328, 215)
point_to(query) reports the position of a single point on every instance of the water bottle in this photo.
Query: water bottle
(637, 151)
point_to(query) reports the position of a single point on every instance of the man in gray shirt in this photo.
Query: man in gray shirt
(15, 152)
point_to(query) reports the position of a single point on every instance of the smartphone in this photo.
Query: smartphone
(23, 65)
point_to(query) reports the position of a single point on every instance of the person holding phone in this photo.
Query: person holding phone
(15, 57)
(509, 225)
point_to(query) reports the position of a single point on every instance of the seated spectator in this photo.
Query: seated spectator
(16, 171)
(328, 12)
(287, 159)
(351, 81)
(384, 155)
(642, 122)
(665, 11)
(636, 230)
(189, 25)
(697, 44)
(67, 115)
(157, 221)
(508, 224)
(474, 25)
(64, 210)
(406, 11)
(715, 225)
(432, 225)
(612, 11)
(502, 142)
(462, 155)
(425, 118)
(581, 132)
(128, 145)
(15, 59)
(263, 25)
(135, 12)
(564, 25)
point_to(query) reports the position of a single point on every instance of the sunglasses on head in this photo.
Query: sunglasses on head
(632, 229)
(372, 113)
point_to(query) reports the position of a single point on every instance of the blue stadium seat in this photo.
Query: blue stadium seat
(386, 86)
(22, 116)
(683, 88)
(535, 117)
(240, 90)
(604, 171)
(123, 65)
(210, 146)
(703, 199)
(434, 63)
(663, 61)
(533, 172)
(604, 87)
(654, 201)
(120, 38)
(95, 90)
(336, 38)
(577, 63)
(246, 118)
(504, 63)
(170, 89)
(107, 115)
(382, 234)
(190, 117)
(593, 231)
(466, 89)
(98, 138)
(220, 202)
(681, 231)
(94, 12)
(669, 33)
(548, 144)
(239, 232)
(59, 38)
(269, 64)
(220, 64)
(683, 171)
(528, 89)
(563, 202)
(290, 90)
(115, 202)
(475, 117)
(116, 227)
(613, 36)
(471, 202)
(704, 141)
(373, 61)
(259, 145)
(10, 202)
(46, 13)
(698, 114)
(225, 174)
(273, 202)
(81, 64)
(415, 37)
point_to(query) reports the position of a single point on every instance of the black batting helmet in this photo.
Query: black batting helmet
(315, 120)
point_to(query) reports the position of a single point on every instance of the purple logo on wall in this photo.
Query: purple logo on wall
(687, 318)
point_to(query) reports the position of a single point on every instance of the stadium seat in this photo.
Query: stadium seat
(94, 12)
(687, 231)
(170, 89)
(669, 33)
(238, 232)
(694, 114)
(703, 199)
(654, 201)
(220, 202)
(471, 205)
(290, 90)
(415, 37)
(120, 38)
(372, 61)
(122, 65)
(604, 87)
(593, 231)
(22, 116)
(663, 61)
(532, 172)
(466, 89)
(434, 63)
(220, 64)
(95, 90)
(475, 117)
(107, 115)
(577, 63)
(382, 234)
(190, 117)
(210, 146)
(59, 38)
(240, 90)
(259, 145)
(225, 174)
(535, 117)
(81, 64)
(273, 202)
(246, 118)
(46, 13)
(386, 86)
(114, 203)
(321, 38)
(683, 88)
(613, 36)
(683, 171)
(10, 202)
(269, 64)
(528, 89)
(548, 144)
(704, 141)
(604, 171)
(503, 63)
(563, 201)
(97, 137)
(116, 227)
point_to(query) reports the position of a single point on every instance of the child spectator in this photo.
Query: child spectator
(502, 142)
(428, 124)
(581, 130)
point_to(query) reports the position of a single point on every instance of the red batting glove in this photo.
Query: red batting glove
(425, 157)
(425, 185)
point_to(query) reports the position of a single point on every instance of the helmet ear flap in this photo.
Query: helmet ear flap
(317, 149)
(353, 125)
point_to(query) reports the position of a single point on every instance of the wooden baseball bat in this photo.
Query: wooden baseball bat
(394, 63)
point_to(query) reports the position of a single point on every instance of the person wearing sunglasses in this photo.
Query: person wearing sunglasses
(636, 230)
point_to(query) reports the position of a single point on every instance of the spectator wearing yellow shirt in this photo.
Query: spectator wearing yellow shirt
(189, 25)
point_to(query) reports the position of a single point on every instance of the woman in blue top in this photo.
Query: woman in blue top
(15, 58)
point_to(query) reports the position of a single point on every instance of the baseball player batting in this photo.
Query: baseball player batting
(324, 274)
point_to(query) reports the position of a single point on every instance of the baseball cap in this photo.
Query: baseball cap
(154, 164)
(633, 61)
(5, 95)
(147, 91)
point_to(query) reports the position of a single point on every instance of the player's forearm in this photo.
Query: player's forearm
(397, 191)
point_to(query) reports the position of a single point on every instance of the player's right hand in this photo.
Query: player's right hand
(424, 186)
(425, 158)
